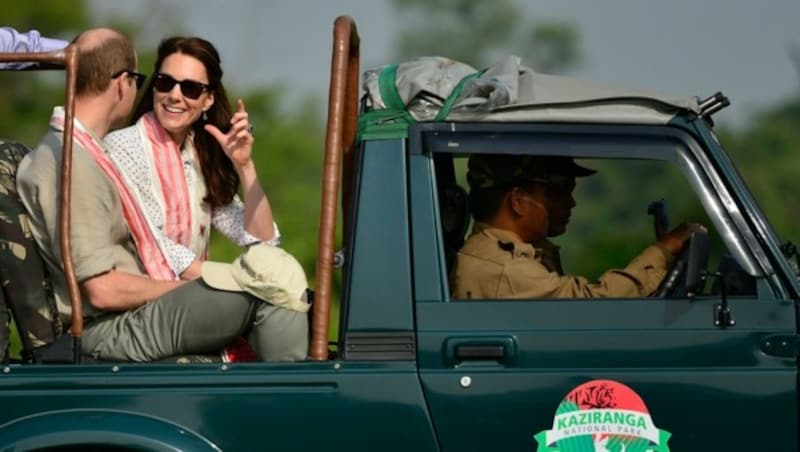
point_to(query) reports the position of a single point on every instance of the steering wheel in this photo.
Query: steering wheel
(695, 253)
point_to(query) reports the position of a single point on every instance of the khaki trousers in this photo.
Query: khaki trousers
(197, 319)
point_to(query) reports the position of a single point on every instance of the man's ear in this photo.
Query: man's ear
(119, 86)
(515, 200)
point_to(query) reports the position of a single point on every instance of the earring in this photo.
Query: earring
(205, 116)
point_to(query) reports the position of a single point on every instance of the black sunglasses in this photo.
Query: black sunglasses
(138, 77)
(191, 89)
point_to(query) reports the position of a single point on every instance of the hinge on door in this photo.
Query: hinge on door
(722, 315)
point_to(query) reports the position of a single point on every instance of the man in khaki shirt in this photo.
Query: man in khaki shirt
(515, 203)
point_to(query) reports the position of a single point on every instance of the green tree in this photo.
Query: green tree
(478, 32)
(28, 100)
(50, 17)
(766, 154)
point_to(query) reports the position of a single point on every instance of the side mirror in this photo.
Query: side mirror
(697, 262)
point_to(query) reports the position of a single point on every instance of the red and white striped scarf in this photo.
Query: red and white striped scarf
(150, 254)
(168, 165)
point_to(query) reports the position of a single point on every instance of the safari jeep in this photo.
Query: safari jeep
(708, 363)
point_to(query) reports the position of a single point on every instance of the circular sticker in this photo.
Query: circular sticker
(603, 416)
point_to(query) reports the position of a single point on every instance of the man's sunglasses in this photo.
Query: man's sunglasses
(137, 76)
(164, 83)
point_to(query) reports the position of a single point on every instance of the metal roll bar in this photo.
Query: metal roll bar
(339, 146)
(66, 59)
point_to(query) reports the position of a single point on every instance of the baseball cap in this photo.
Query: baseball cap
(504, 171)
(264, 271)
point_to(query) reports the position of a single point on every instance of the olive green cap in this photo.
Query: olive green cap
(505, 171)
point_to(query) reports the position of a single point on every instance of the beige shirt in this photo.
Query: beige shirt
(550, 256)
(496, 264)
(100, 238)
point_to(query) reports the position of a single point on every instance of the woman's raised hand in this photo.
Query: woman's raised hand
(238, 142)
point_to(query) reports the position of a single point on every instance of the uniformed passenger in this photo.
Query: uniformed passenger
(517, 202)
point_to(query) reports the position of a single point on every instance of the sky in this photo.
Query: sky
(675, 47)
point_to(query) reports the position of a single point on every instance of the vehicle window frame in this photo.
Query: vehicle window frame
(593, 141)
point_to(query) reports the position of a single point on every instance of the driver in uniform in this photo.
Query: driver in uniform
(517, 202)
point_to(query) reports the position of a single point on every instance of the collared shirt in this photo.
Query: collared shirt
(497, 264)
(12, 41)
(100, 237)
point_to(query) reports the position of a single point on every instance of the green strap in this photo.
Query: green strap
(451, 99)
(390, 122)
(393, 121)
(388, 86)
(384, 125)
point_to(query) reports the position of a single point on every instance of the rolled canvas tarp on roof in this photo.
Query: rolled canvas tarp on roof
(509, 91)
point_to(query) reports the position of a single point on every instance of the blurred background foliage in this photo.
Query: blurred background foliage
(479, 33)
(290, 141)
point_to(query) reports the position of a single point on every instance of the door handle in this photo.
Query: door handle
(480, 352)
(500, 349)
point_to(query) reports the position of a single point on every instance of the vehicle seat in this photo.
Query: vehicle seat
(454, 212)
(25, 288)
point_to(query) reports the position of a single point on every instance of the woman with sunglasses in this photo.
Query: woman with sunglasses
(184, 158)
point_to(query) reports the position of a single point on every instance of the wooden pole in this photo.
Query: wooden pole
(340, 139)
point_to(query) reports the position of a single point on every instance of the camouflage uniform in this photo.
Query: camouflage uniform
(497, 264)
(26, 292)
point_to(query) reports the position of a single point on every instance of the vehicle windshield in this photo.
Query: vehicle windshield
(787, 244)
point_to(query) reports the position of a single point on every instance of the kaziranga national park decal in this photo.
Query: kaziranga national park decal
(602, 416)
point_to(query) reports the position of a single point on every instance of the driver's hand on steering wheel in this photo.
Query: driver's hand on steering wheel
(673, 240)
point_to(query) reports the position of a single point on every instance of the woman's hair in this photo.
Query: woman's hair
(221, 179)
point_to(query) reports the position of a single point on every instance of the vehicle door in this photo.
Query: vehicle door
(648, 373)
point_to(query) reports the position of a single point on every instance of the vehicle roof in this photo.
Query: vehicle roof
(509, 91)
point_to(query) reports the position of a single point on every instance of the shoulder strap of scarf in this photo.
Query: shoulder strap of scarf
(172, 186)
(152, 258)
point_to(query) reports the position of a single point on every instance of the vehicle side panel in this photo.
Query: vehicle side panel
(300, 406)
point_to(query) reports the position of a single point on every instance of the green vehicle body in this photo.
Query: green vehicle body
(416, 371)
(398, 383)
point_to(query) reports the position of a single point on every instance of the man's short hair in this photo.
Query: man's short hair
(98, 63)
(491, 176)
(484, 203)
